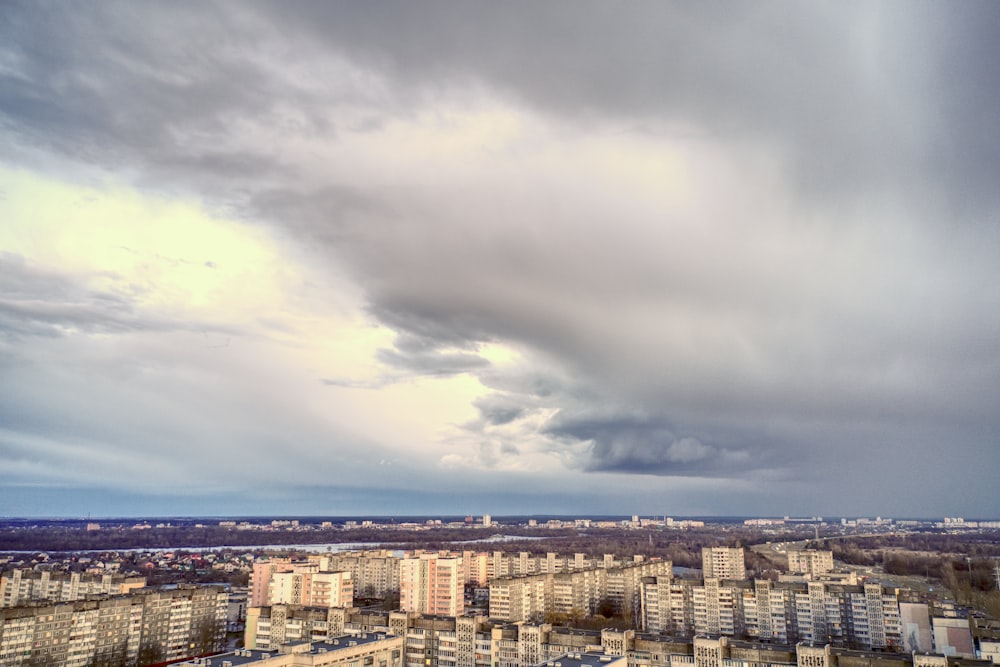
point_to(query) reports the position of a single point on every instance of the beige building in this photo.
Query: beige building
(723, 563)
(25, 586)
(579, 592)
(306, 582)
(810, 561)
(432, 584)
(812, 611)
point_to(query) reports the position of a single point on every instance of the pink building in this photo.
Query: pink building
(280, 581)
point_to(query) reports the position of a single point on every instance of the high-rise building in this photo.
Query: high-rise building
(816, 612)
(432, 584)
(24, 586)
(313, 637)
(723, 563)
(530, 597)
(145, 627)
(282, 581)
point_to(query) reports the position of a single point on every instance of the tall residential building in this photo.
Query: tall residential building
(432, 584)
(282, 581)
(850, 616)
(25, 586)
(145, 627)
(578, 592)
(723, 562)
(374, 572)
(319, 589)
(438, 641)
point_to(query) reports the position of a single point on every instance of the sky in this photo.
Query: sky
(656, 258)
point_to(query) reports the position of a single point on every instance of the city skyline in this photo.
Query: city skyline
(510, 258)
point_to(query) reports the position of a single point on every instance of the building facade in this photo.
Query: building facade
(810, 561)
(723, 563)
(141, 628)
(577, 592)
(432, 584)
(25, 586)
(864, 616)
(476, 642)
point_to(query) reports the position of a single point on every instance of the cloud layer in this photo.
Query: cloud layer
(561, 257)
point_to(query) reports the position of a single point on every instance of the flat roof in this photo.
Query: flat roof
(251, 656)
(584, 659)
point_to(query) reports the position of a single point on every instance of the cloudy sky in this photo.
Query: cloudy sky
(507, 257)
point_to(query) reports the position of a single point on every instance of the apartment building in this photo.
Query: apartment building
(150, 625)
(432, 584)
(25, 586)
(530, 598)
(723, 563)
(865, 616)
(308, 582)
(375, 572)
(810, 561)
(475, 642)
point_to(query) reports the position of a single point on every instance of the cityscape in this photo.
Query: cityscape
(499, 591)
(565, 333)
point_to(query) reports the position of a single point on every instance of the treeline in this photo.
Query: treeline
(986, 545)
(178, 537)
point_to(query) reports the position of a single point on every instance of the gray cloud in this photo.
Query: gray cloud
(819, 292)
(639, 443)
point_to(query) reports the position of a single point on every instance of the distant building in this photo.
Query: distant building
(810, 561)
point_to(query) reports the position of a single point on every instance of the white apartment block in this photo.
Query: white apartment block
(866, 616)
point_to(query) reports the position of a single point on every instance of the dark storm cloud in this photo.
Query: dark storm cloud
(860, 98)
(496, 410)
(433, 362)
(638, 443)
